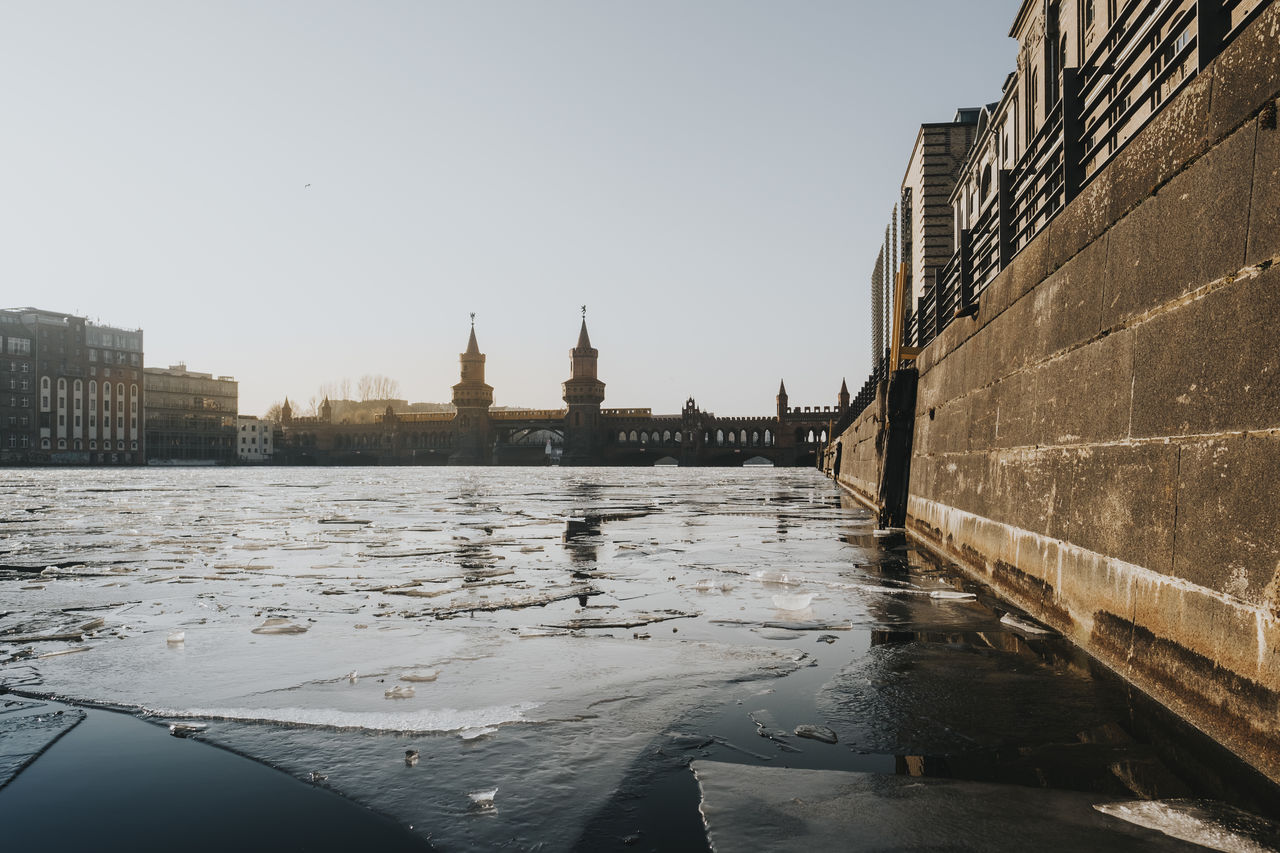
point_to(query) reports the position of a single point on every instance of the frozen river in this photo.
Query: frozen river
(431, 643)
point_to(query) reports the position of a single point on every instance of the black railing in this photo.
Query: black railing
(1142, 61)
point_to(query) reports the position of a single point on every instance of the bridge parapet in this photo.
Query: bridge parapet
(415, 417)
(530, 415)
(626, 413)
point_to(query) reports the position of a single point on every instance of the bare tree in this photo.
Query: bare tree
(274, 413)
(377, 387)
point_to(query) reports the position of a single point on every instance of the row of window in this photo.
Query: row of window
(18, 346)
(19, 367)
(106, 422)
(77, 444)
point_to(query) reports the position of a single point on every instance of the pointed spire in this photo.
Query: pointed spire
(584, 340)
(844, 388)
(782, 388)
(473, 348)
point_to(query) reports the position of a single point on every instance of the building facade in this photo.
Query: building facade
(72, 390)
(190, 416)
(254, 439)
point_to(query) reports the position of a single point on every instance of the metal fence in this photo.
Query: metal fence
(1138, 65)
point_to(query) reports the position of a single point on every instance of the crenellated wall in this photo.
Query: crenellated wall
(1101, 442)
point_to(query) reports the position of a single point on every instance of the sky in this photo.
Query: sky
(292, 193)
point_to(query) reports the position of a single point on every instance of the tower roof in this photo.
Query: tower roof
(782, 388)
(584, 340)
(844, 387)
(473, 348)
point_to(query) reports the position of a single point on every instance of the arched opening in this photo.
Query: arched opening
(634, 437)
(677, 436)
(719, 438)
(622, 438)
(768, 438)
(733, 438)
(644, 438)
(666, 436)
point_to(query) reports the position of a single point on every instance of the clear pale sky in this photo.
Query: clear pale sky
(711, 177)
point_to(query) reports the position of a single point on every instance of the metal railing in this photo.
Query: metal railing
(1138, 65)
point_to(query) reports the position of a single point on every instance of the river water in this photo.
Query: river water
(554, 680)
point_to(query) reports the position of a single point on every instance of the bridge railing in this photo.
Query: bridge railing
(530, 415)
(416, 417)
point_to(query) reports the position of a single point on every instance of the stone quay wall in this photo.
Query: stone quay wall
(1101, 442)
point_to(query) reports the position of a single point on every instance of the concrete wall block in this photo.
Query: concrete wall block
(1192, 232)
(1027, 269)
(1246, 74)
(1264, 213)
(1030, 489)
(981, 413)
(1086, 396)
(1083, 221)
(1213, 364)
(1077, 306)
(1176, 135)
(961, 480)
(1227, 534)
(1015, 396)
(1122, 503)
(924, 477)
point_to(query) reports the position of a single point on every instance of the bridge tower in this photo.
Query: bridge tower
(472, 398)
(782, 400)
(842, 399)
(583, 393)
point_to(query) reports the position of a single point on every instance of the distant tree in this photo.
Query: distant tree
(273, 412)
(377, 387)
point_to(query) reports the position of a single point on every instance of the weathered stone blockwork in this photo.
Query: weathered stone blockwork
(1101, 442)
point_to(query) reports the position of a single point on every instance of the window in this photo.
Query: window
(19, 346)
(1088, 14)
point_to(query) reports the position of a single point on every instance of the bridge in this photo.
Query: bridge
(581, 433)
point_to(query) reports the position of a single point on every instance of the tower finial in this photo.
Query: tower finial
(584, 312)
(473, 319)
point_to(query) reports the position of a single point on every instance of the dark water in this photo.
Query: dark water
(701, 615)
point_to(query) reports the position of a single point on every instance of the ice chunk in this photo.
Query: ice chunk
(952, 595)
(186, 729)
(796, 601)
(429, 675)
(821, 733)
(176, 638)
(477, 732)
(399, 692)
(483, 799)
(1024, 626)
(776, 578)
(279, 625)
(1210, 824)
(352, 676)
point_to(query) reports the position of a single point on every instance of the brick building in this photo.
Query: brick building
(71, 390)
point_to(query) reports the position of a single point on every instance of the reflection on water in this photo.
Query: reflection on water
(571, 638)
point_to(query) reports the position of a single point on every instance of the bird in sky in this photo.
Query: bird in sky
(307, 186)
